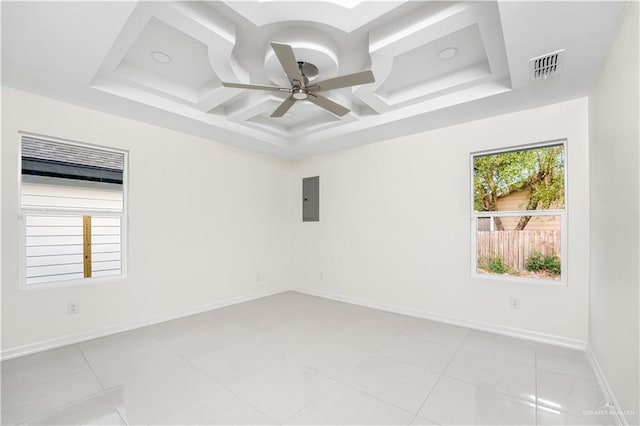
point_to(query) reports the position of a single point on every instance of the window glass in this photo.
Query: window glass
(518, 212)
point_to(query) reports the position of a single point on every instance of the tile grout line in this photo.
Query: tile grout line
(86, 361)
(222, 385)
(395, 360)
(405, 334)
(339, 380)
(376, 353)
(492, 388)
(248, 403)
(63, 406)
(336, 381)
(442, 374)
(251, 342)
(310, 402)
(561, 409)
(104, 389)
(377, 397)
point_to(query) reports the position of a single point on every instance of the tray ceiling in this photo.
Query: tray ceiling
(435, 63)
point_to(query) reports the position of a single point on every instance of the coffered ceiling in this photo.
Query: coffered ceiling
(435, 63)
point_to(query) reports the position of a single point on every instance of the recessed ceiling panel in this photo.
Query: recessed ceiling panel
(424, 63)
(166, 59)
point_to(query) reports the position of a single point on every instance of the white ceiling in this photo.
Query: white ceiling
(98, 55)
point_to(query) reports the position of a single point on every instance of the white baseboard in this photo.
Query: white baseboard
(607, 392)
(476, 325)
(106, 331)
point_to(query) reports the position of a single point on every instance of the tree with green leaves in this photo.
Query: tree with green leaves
(538, 170)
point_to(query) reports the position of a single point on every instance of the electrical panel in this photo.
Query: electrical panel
(311, 199)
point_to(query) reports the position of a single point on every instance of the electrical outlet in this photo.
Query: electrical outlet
(258, 278)
(321, 276)
(515, 303)
(73, 308)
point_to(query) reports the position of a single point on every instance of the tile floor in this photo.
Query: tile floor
(298, 359)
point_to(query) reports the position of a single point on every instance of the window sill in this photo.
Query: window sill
(518, 280)
(74, 283)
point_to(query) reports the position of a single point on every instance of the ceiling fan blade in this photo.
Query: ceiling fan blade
(284, 107)
(348, 80)
(328, 104)
(256, 86)
(287, 59)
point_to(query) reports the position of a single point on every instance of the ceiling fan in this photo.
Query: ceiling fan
(301, 89)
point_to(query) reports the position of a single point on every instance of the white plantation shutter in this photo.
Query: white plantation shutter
(63, 186)
(106, 246)
(53, 248)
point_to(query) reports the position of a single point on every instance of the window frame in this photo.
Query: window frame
(23, 212)
(563, 281)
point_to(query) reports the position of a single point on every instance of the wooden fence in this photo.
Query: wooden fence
(515, 247)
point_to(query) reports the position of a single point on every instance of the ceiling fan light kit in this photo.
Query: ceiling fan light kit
(298, 73)
(300, 94)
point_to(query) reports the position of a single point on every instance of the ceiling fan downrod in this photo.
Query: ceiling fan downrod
(300, 92)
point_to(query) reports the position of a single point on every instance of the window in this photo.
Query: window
(518, 216)
(72, 202)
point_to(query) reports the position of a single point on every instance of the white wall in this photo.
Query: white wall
(615, 253)
(394, 225)
(205, 218)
